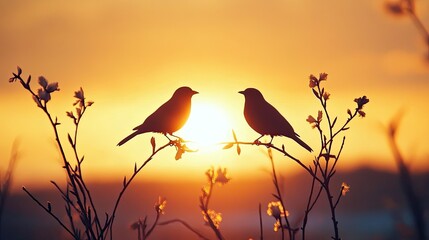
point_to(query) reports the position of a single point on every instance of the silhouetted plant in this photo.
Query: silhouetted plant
(408, 8)
(324, 170)
(143, 232)
(76, 195)
(277, 209)
(413, 200)
(6, 182)
(211, 217)
(323, 166)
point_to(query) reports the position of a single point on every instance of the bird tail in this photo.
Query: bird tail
(128, 138)
(302, 143)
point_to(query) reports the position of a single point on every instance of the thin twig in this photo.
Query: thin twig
(186, 225)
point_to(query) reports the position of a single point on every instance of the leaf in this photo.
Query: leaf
(19, 70)
(235, 136)
(135, 167)
(335, 121)
(238, 149)
(152, 142)
(70, 139)
(28, 80)
(315, 93)
(346, 128)
(228, 146)
(179, 154)
(125, 181)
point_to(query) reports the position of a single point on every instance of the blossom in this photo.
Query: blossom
(160, 205)
(313, 81)
(44, 93)
(221, 177)
(214, 216)
(276, 210)
(313, 121)
(79, 94)
(361, 102)
(181, 148)
(345, 188)
(277, 225)
(323, 76)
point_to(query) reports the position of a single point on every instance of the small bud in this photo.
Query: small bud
(326, 95)
(345, 188)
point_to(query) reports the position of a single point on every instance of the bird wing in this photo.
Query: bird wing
(266, 119)
(168, 118)
(278, 123)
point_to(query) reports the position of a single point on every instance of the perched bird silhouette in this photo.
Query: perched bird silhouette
(168, 118)
(265, 119)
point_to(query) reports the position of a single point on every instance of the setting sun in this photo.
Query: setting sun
(111, 106)
(207, 126)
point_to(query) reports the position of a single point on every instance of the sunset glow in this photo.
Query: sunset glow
(207, 126)
(350, 77)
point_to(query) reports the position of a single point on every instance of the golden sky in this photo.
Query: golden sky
(129, 57)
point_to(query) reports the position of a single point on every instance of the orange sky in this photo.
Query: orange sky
(129, 56)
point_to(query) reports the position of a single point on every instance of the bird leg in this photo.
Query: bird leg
(165, 134)
(272, 137)
(257, 140)
(178, 138)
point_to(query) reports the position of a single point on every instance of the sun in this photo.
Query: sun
(207, 126)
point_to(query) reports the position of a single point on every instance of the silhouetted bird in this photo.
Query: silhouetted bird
(168, 118)
(265, 119)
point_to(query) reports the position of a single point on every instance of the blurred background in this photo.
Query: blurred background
(130, 56)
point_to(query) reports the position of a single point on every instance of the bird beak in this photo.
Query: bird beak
(194, 92)
(242, 92)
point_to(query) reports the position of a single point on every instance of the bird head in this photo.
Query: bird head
(251, 93)
(185, 92)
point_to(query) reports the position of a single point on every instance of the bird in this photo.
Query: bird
(266, 119)
(169, 117)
